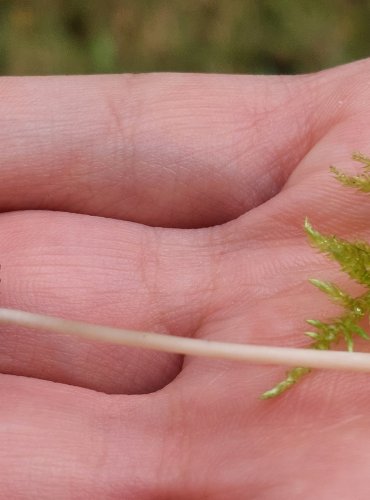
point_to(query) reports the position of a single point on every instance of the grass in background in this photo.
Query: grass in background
(229, 36)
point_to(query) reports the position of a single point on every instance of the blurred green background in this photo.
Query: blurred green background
(230, 36)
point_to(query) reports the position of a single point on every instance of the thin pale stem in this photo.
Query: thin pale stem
(359, 362)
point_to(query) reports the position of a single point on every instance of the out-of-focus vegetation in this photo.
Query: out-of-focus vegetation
(235, 36)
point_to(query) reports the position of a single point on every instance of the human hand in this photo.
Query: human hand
(88, 164)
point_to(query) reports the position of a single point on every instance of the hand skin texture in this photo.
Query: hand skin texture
(175, 203)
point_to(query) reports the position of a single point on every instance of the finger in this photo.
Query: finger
(59, 441)
(63, 442)
(169, 150)
(106, 272)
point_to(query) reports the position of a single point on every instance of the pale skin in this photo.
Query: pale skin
(88, 166)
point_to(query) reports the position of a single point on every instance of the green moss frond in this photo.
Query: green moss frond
(328, 334)
(292, 377)
(362, 159)
(334, 292)
(354, 259)
(362, 181)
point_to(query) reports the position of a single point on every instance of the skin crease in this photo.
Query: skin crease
(175, 203)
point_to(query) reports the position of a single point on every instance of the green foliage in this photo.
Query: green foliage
(242, 36)
(354, 259)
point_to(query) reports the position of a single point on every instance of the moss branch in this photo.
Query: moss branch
(354, 259)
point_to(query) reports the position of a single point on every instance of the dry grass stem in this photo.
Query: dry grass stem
(356, 362)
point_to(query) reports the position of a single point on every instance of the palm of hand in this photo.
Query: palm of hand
(192, 428)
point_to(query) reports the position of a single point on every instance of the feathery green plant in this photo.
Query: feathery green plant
(354, 259)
